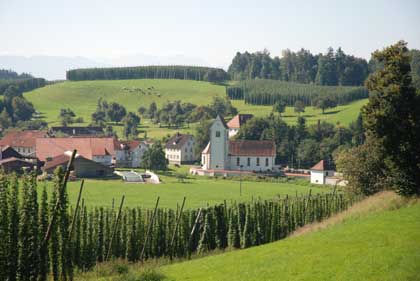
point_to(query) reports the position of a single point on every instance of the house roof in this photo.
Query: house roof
(252, 148)
(14, 159)
(22, 138)
(177, 141)
(87, 147)
(322, 166)
(237, 121)
(132, 144)
(78, 130)
(63, 159)
(206, 149)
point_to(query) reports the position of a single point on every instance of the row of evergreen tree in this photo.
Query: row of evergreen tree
(149, 72)
(23, 85)
(268, 92)
(96, 234)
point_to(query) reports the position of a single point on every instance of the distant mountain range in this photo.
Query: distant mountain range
(55, 67)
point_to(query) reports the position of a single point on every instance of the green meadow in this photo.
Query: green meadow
(82, 98)
(199, 191)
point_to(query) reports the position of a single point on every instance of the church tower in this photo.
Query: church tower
(219, 145)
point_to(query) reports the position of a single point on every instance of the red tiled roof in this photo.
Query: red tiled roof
(252, 148)
(322, 166)
(131, 144)
(87, 147)
(237, 121)
(22, 138)
(56, 161)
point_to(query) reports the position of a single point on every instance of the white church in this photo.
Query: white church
(224, 156)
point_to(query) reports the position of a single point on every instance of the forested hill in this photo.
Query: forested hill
(22, 82)
(332, 68)
(149, 72)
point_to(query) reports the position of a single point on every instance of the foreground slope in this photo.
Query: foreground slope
(375, 240)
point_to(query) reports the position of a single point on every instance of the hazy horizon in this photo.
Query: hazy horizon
(201, 33)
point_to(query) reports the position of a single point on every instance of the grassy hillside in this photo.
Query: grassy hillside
(199, 191)
(82, 98)
(383, 245)
(376, 239)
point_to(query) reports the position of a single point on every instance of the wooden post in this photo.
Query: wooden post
(176, 228)
(76, 209)
(115, 228)
(57, 203)
(193, 230)
(149, 227)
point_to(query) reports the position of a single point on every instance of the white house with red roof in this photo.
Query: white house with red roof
(236, 123)
(180, 149)
(222, 154)
(24, 142)
(320, 172)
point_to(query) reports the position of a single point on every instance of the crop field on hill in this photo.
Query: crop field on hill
(198, 190)
(82, 98)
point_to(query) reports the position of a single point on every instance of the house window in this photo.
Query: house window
(217, 134)
(258, 161)
(238, 161)
(186, 150)
(266, 162)
(248, 162)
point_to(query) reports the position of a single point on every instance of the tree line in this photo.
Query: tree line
(81, 237)
(23, 85)
(268, 92)
(390, 156)
(7, 74)
(149, 72)
(331, 68)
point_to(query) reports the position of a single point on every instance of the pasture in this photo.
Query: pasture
(82, 98)
(199, 191)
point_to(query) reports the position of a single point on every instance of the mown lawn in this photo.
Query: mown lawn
(199, 191)
(82, 97)
(379, 246)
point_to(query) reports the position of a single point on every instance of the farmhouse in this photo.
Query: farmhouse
(100, 150)
(133, 152)
(222, 154)
(236, 122)
(180, 149)
(320, 172)
(24, 142)
(81, 168)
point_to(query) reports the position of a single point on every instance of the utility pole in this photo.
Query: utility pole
(240, 180)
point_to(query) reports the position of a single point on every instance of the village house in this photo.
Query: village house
(133, 153)
(222, 155)
(104, 150)
(13, 161)
(179, 149)
(236, 122)
(24, 142)
(81, 168)
(100, 150)
(320, 172)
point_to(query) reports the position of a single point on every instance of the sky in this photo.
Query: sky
(210, 30)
